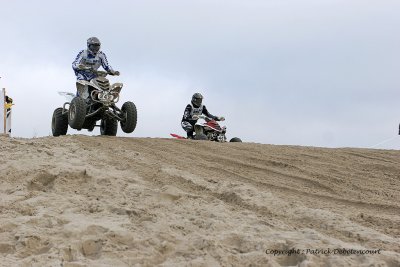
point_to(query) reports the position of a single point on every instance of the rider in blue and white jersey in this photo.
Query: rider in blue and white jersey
(91, 59)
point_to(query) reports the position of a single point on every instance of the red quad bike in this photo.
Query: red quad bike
(209, 129)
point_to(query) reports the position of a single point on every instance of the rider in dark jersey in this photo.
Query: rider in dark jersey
(195, 108)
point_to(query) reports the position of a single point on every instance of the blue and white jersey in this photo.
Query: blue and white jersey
(94, 61)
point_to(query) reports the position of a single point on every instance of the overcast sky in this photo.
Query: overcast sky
(293, 72)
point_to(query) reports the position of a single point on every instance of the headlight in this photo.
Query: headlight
(105, 97)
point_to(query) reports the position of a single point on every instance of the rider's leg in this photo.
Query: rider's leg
(82, 90)
(188, 129)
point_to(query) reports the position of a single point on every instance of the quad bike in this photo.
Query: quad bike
(95, 101)
(209, 130)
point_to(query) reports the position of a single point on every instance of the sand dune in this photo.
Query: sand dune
(107, 201)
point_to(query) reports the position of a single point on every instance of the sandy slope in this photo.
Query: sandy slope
(104, 201)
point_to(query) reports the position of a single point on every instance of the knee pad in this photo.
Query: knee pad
(187, 126)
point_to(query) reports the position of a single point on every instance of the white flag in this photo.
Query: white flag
(8, 121)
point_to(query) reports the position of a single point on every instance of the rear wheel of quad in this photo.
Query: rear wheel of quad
(109, 126)
(59, 122)
(129, 114)
(77, 113)
(235, 139)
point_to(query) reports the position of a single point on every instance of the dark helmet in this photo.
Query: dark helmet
(197, 98)
(93, 45)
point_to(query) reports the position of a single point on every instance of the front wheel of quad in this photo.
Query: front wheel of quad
(129, 114)
(59, 122)
(109, 126)
(199, 133)
(235, 139)
(77, 113)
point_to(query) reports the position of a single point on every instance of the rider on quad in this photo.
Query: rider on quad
(88, 61)
(192, 111)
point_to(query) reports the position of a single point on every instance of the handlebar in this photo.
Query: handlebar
(196, 117)
(97, 72)
(101, 73)
(199, 117)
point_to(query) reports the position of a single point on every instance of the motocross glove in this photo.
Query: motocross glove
(115, 72)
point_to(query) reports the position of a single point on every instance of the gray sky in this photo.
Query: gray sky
(298, 72)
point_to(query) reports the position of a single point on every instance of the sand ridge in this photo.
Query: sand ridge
(113, 201)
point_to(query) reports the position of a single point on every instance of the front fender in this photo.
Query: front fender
(82, 86)
(117, 87)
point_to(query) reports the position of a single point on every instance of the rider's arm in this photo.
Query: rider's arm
(208, 114)
(77, 60)
(104, 62)
(186, 114)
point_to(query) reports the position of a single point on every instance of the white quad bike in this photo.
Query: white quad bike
(96, 101)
